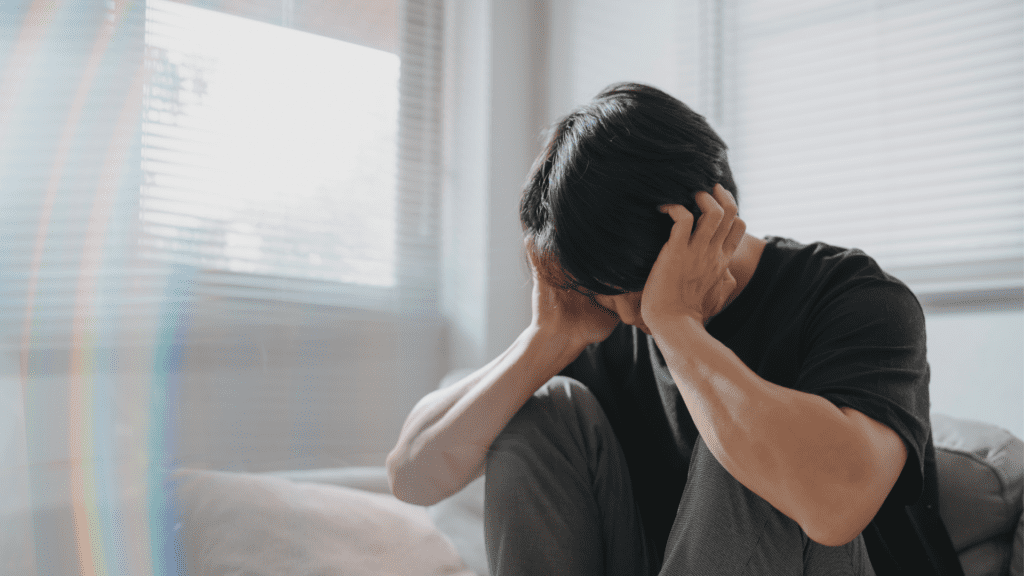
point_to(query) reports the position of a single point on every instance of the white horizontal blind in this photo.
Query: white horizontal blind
(420, 34)
(896, 127)
(274, 165)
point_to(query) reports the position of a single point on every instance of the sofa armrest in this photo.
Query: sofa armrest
(370, 478)
(981, 486)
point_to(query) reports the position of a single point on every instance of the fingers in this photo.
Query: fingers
(692, 270)
(732, 241)
(682, 217)
(712, 215)
(728, 205)
(717, 225)
(725, 199)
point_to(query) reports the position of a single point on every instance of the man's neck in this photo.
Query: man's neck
(744, 263)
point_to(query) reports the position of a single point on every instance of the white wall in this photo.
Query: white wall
(494, 110)
(594, 43)
(305, 388)
(977, 362)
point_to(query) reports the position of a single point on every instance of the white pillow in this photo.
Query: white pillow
(253, 525)
(461, 518)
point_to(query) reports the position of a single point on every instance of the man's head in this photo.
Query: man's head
(590, 206)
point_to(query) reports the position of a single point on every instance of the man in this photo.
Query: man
(724, 404)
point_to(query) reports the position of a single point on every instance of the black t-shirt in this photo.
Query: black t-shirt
(814, 318)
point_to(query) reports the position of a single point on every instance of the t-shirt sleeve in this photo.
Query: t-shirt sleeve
(865, 349)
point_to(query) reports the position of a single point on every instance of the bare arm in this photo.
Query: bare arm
(444, 441)
(827, 468)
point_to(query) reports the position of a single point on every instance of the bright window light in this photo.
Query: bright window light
(267, 150)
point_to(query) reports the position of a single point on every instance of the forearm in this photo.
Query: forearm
(796, 450)
(446, 436)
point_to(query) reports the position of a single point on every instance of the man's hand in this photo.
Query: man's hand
(444, 441)
(565, 313)
(691, 276)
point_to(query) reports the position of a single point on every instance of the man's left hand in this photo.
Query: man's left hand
(691, 276)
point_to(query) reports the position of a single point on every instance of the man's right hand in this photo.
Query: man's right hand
(444, 441)
(563, 313)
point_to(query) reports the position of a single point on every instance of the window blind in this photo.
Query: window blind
(131, 182)
(896, 127)
(289, 166)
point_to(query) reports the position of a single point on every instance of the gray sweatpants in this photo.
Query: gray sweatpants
(559, 501)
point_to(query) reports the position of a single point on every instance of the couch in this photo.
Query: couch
(344, 521)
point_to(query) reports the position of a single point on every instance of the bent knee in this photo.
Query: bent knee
(561, 408)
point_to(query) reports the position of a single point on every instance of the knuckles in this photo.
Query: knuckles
(741, 225)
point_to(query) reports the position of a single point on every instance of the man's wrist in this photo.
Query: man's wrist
(558, 346)
(679, 323)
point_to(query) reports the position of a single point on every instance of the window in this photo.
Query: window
(271, 163)
(273, 154)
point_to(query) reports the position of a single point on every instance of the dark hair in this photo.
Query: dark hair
(590, 206)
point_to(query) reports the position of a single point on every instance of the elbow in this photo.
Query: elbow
(407, 485)
(832, 534)
(837, 522)
(842, 506)
(392, 465)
